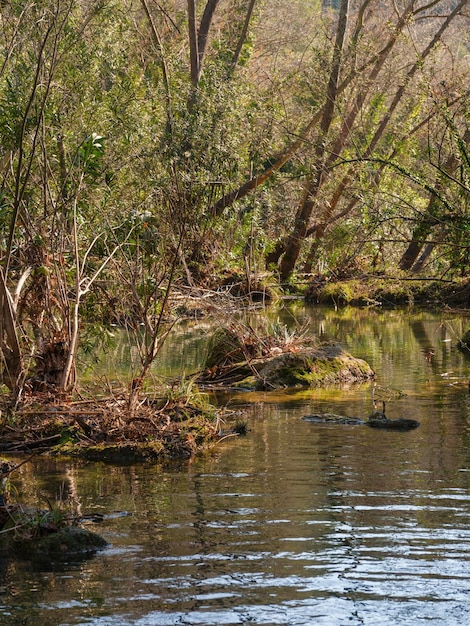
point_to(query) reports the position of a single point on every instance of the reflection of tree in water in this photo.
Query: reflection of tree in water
(463, 403)
(425, 343)
(204, 538)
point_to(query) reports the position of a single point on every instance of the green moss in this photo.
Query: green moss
(388, 291)
(290, 376)
(250, 383)
(326, 365)
(340, 293)
(367, 292)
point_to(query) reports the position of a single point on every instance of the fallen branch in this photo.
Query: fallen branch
(29, 445)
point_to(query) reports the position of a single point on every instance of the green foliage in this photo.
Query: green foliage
(96, 339)
(89, 157)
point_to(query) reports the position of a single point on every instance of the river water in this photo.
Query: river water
(296, 523)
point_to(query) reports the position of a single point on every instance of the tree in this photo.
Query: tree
(200, 140)
(293, 246)
(294, 241)
(371, 106)
(53, 188)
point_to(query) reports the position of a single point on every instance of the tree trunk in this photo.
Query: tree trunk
(193, 44)
(418, 266)
(206, 21)
(426, 253)
(159, 45)
(243, 34)
(295, 240)
(13, 367)
(414, 248)
(430, 218)
(198, 37)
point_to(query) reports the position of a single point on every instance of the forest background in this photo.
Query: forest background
(146, 145)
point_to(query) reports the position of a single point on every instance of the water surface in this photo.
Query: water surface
(297, 523)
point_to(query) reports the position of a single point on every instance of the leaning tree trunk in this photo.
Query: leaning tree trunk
(295, 240)
(415, 246)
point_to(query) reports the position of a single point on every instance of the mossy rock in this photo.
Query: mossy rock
(66, 542)
(327, 364)
(30, 532)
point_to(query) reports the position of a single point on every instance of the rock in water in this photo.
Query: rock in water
(378, 419)
(387, 424)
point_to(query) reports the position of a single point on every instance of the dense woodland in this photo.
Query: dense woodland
(151, 144)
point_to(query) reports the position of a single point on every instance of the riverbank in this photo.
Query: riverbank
(386, 291)
(229, 296)
(104, 429)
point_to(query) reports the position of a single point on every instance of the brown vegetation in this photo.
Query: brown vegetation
(103, 429)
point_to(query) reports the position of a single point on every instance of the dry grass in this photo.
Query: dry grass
(168, 427)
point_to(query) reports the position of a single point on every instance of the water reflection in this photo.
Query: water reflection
(297, 523)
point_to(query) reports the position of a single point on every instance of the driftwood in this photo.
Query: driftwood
(376, 420)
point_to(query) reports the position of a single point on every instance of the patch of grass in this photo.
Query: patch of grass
(341, 293)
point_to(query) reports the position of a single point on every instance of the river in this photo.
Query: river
(296, 523)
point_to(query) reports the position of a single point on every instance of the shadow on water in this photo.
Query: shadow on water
(297, 523)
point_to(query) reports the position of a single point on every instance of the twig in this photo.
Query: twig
(227, 436)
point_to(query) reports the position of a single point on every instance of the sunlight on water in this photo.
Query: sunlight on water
(297, 523)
